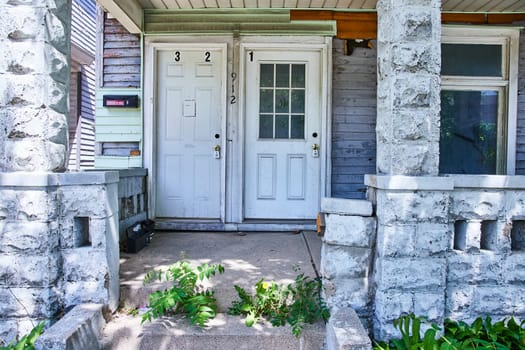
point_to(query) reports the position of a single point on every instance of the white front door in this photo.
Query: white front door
(283, 133)
(189, 133)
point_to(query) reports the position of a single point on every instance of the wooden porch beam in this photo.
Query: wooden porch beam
(127, 12)
(363, 25)
(350, 25)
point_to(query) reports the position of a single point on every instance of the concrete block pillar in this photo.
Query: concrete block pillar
(408, 92)
(34, 80)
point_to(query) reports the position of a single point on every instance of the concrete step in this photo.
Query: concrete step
(79, 329)
(245, 258)
(224, 332)
(134, 294)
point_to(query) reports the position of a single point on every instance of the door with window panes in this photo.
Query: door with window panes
(282, 135)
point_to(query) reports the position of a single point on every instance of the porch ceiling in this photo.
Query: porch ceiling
(130, 12)
(448, 5)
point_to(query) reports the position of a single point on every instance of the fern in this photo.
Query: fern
(186, 296)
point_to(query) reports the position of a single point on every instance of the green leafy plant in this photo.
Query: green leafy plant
(269, 299)
(187, 295)
(410, 328)
(482, 334)
(297, 303)
(27, 341)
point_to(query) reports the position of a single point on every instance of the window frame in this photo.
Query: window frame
(506, 84)
(274, 88)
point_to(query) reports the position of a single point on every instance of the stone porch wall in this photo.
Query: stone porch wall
(444, 247)
(58, 245)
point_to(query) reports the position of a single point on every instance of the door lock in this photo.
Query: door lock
(315, 150)
(217, 152)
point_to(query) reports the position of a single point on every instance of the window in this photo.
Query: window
(478, 100)
(281, 101)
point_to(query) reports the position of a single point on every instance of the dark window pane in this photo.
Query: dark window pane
(471, 60)
(266, 127)
(281, 126)
(282, 102)
(468, 139)
(297, 101)
(266, 75)
(282, 75)
(297, 130)
(298, 75)
(266, 101)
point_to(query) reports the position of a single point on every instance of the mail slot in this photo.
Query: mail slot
(122, 101)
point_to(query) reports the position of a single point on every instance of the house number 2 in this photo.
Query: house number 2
(207, 56)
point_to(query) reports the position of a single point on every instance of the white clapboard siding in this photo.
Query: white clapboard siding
(83, 24)
(82, 112)
(82, 143)
(353, 120)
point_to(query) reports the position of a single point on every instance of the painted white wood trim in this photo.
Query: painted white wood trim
(327, 56)
(512, 118)
(150, 121)
(99, 52)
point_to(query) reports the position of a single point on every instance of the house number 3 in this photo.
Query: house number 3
(207, 56)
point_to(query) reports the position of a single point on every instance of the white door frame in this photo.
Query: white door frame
(324, 48)
(150, 120)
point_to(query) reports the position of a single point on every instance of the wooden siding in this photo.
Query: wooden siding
(121, 55)
(119, 128)
(520, 142)
(82, 95)
(83, 24)
(353, 120)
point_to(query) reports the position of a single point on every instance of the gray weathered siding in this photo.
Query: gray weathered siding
(520, 146)
(353, 120)
(121, 66)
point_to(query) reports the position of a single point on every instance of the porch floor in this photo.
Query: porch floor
(246, 256)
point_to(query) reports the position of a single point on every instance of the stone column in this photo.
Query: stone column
(34, 80)
(412, 210)
(408, 91)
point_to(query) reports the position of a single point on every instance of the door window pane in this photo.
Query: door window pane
(267, 75)
(471, 60)
(297, 129)
(266, 101)
(298, 75)
(297, 101)
(266, 127)
(469, 130)
(282, 75)
(281, 126)
(282, 101)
